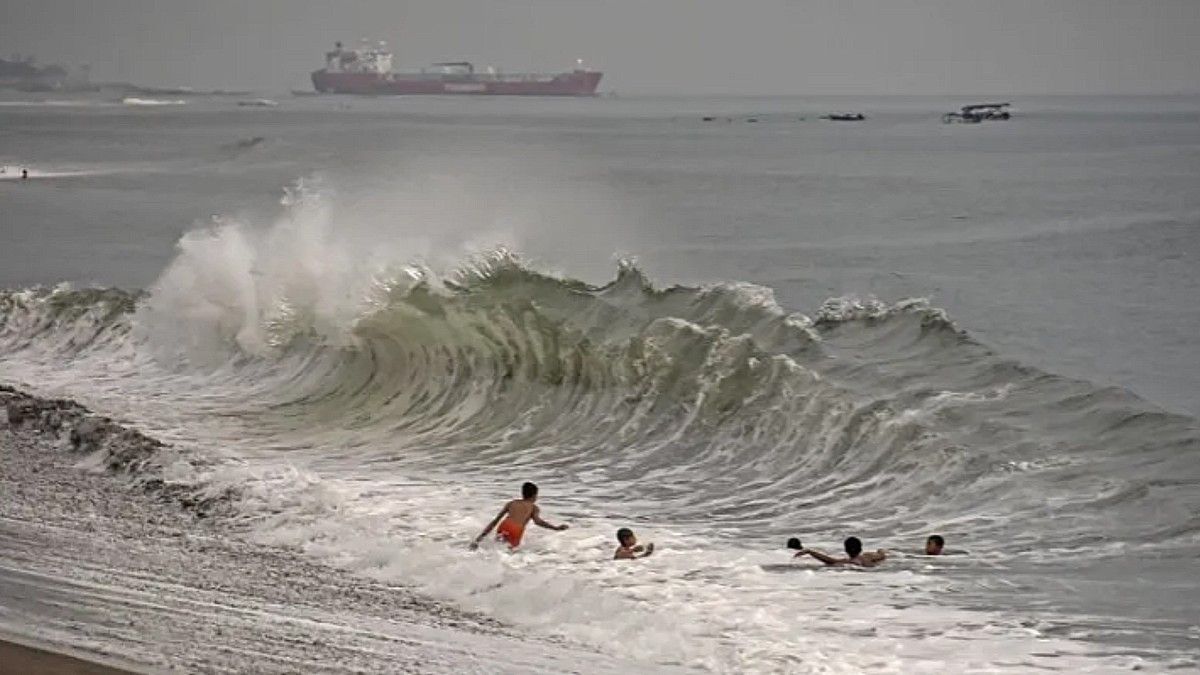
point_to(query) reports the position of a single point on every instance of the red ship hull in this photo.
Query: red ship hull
(577, 83)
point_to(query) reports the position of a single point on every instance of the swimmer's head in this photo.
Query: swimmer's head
(529, 491)
(853, 547)
(934, 544)
(794, 544)
(625, 537)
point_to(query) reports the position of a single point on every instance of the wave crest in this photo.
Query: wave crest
(866, 405)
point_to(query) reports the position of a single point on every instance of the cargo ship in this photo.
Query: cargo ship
(367, 70)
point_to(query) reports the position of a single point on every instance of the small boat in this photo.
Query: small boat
(961, 118)
(989, 111)
(844, 117)
(978, 112)
(258, 103)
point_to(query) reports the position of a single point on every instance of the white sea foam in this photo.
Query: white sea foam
(59, 103)
(138, 101)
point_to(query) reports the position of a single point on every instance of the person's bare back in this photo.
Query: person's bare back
(868, 559)
(521, 511)
(511, 521)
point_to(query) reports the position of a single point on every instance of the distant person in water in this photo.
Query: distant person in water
(934, 544)
(516, 515)
(629, 548)
(24, 174)
(854, 555)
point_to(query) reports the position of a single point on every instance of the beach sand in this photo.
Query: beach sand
(94, 566)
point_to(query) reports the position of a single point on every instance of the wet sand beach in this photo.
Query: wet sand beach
(95, 567)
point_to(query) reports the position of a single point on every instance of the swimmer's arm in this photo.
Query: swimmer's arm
(495, 521)
(827, 559)
(633, 553)
(537, 519)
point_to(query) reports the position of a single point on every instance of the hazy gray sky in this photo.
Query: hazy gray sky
(674, 46)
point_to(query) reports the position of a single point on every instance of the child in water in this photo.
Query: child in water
(854, 554)
(629, 548)
(516, 515)
(934, 544)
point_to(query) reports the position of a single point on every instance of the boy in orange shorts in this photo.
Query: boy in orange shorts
(516, 515)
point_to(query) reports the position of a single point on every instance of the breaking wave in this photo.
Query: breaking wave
(867, 404)
(713, 408)
(135, 101)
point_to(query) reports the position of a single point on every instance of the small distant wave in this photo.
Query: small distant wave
(59, 103)
(13, 172)
(131, 100)
(243, 145)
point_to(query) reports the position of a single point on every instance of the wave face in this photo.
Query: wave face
(342, 396)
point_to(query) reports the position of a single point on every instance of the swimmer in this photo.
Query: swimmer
(24, 174)
(629, 548)
(795, 545)
(516, 515)
(854, 555)
(934, 544)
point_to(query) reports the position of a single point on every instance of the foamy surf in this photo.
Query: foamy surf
(59, 103)
(373, 412)
(169, 589)
(139, 101)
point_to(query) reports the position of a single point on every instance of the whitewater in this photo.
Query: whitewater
(362, 371)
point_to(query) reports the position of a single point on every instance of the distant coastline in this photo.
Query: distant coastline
(22, 73)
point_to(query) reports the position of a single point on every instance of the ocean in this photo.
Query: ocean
(361, 323)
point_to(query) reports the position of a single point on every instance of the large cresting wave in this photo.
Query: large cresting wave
(713, 409)
(890, 411)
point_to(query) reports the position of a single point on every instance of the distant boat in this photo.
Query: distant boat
(977, 113)
(258, 103)
(844, 117)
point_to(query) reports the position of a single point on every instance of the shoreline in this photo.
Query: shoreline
(96, 570)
